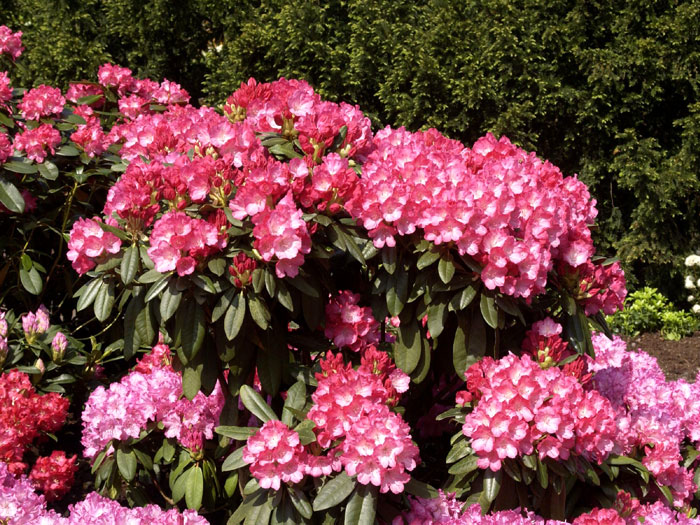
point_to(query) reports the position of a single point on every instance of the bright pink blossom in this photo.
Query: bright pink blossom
(42, 101)
(89, 243)
(35, 142)
(10, 43)
(53, 475)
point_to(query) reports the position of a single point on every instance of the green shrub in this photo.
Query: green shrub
(647, 310)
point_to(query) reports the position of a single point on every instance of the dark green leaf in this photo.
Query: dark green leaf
(296, 399)
(195, 488)
(157, 287)
(10, 196)
(256, 404)
(234, 316)
(237, 433)
(31, 280)
(88, 293)
(130, 264)
(25, 168)
(48, 170)
(426, 259)
(104, 301)
(126, 461)
(192, 328)
(489, 311)
(446, 270)
(362, 506)
(259, 312)
(334, 492)
(298, 499)
(408, 346)
(464, 466)
(169, 302)
(234, 461)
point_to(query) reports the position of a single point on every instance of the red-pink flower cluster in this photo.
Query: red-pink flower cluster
(89, 244)
(10, 43)
(89, 136)
(275, 455)
(146, 90)
(5, 147)
(42, 101)
(35, 142)
(178, 242)
(25, 415)
(53, 475)
(5, 90)
(152, 392)
(597, 287)
(77, 91)
(658, 415)
(523, 409)
(350, 325)
(506, 208)
(353, 406)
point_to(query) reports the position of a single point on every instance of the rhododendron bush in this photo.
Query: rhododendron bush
(296, 319)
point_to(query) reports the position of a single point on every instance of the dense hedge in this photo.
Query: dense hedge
(608, 90)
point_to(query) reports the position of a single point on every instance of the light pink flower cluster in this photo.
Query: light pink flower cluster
(523, 409)
(512, 212)
(658, 415)
(35, 142)
(42, 101)
(89, 244)
(178, 242)
(281, 234)
(10, 43)
(153, 394)
(53, 475)
(20, 505)
(275, 455)
(350, 325)
(353, 405)
(89, 136)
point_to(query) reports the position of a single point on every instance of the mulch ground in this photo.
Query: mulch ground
(678, 359)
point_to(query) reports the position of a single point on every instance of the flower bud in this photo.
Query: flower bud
(3, 350)
(58, 347)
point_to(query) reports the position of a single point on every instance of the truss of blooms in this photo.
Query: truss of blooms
(25, 415)
(10, 43)
(354, 426)
(349, 325)
(523, 409)
(658, 415)
(152, 392)
(20, 505)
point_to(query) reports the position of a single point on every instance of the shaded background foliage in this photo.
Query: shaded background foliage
(606, 89)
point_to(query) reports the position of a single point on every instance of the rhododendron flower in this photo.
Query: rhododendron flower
(35, 323)
(77, 91)
(10, 43)
(113, 76)
(5, 90)
(89, 243)
(281, 233)
(35, 142)
(5, 147)
(59, 343)
(242, 270)
(275, 455)
(90, 137)
(42, 101)
(178, 242)
(350, 325)
(53, 475)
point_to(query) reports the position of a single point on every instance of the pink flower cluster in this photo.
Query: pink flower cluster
(35, 323)
(506, 208)
(545, 345)
(89, 136)
(281, 233)
(658, 415)
(275, 455)
(5, 90)
(42, 101)
(20, 505)
(350, 325)
(35, 142)
(154, 393)
(179, 241)
(445, 510)
(53, 475)
(5, 147)
(10, 43)
(136, 93)
(523, 409)
(596, 287)
(90, 244)
(77, 91)
(25, 415)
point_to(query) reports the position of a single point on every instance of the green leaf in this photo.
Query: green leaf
(88, 293)
(334, 492)
(126, 461)
(305, 429)
(217, 266)
(259, 311)
(191, 380)
(492, 484)
(10, 196)
(397, 292)
(409, 346)
(301, 284)
(130, 264)
(104, 301)
(131, 336)
(256, 404)
(460, 355)
(488, 310)
(437, 315)
(296, 399)
(169, 301)
(426, 259)
(48, 170)
(362, 506)
(89, 99)
(157, 287)
(234, 461)
(237, 433)
(234, 316)
(192, 328)
(31, 280)
(25, 168)
(446, 270)
(420, 489)
(389, 259)
(68, 151)
(195, 488)
(298, 499)
(464, 466)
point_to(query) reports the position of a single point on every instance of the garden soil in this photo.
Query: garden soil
(678, 359)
